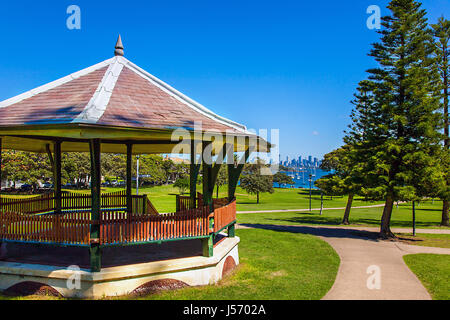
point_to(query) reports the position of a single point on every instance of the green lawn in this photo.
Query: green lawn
(274, 265)
(163, 197)
(428, 215)
(426, 240)
(433, 270)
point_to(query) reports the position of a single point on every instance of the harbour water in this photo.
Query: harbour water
(301, 177)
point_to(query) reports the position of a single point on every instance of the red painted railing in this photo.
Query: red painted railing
(224, 216)
(75, 201)
(70, 228)
(184, 202)
(116, 227)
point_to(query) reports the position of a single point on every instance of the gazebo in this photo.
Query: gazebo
(117, 107)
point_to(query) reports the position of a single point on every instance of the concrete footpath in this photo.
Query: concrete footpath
(370, 269)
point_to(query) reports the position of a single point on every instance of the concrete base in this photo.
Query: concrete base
(124, 279)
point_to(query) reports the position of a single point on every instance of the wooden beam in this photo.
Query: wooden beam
(208, 243)
(194, 170)
(50, 156)
(129, 177)
(0, 172)
(235, 171)
(95, 250)
(218, 164)
(208, 187)
(57, 176)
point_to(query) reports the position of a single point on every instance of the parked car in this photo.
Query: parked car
(26, 187)
(47, 185)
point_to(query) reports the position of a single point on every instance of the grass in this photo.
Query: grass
(428, 215)
(274, 265)
(426, 240)
(433, 270)
(428, 212)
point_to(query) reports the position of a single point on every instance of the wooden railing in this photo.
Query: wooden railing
(36, 204)
(224, 216)
(184, 202)
(70, 228)
(76, 202)
(116, 227)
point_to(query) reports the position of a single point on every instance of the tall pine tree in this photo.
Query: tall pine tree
(441, 32)
(400, 131)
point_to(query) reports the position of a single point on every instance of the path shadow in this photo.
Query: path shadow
(325, 232)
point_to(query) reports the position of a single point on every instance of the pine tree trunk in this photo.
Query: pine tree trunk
(385, 231)
(445, 206)
(347, 209)
(445, 213)
(257, 198)
(217, 192)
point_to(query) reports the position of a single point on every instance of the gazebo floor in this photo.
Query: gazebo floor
(111, 256)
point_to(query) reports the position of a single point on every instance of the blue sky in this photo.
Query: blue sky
(287, 65)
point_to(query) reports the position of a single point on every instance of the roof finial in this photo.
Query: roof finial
(119, 47)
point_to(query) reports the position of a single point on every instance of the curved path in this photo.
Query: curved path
(360, 249)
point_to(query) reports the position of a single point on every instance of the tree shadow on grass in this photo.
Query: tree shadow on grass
(314, 219)
(319, 231)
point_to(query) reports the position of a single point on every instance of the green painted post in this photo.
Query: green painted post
(193, 176)
(129, 197)
(57, 176)
(234, 171)
(208, 243)
(144, 205)
(207, 176)
(208, 246)
(1, 204)
(95, 250)
(231, 231)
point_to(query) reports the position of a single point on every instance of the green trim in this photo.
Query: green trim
(95, 250)
(129, 174)
(57, 182)
(152, 241)
(228, 225)
(208, 246)
(232, 231)
(57, 244)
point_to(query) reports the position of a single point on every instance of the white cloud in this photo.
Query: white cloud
(315, 133)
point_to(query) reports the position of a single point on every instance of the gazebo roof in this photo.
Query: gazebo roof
(114, 100)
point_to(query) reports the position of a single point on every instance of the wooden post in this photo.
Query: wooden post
(1, 204)
(129, 174)
(193, 176)
(95, 250)
(231, 231)
(234, 171)
(208, 243)
(57, 176)
(50, 156)
(208, 186)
